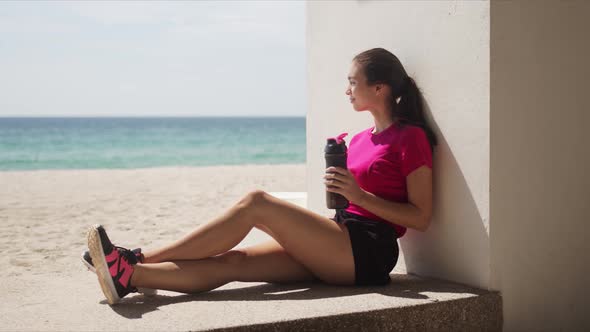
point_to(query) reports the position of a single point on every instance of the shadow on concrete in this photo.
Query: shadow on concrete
(401, 286)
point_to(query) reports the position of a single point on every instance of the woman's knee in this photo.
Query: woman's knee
(254, 198)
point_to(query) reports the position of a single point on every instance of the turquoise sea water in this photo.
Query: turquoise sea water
(106, 143)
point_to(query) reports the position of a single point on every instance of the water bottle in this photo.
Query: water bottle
(335, 153)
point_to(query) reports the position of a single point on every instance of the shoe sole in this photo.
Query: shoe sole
(101, 266)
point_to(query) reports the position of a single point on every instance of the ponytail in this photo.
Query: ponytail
(410, 109)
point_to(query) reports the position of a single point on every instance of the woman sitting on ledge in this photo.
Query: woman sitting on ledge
(388, 184)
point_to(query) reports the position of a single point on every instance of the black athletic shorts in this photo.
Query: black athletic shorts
(374, 247)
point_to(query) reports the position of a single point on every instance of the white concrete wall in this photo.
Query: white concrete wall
(444, 46)
(540, 163)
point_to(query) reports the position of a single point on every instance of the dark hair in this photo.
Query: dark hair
(382, 67)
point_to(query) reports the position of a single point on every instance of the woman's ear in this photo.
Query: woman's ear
(378, 89)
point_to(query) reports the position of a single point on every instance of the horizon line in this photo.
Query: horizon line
(152, 116)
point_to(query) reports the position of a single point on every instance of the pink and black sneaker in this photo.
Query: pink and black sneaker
(87, 260)
(114, 265)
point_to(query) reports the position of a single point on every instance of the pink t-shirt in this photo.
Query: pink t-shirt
(380, 163)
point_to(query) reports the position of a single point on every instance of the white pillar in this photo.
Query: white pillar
(444, 46)
(540, 163)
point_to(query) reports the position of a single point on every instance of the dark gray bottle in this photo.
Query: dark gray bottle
(336, 155)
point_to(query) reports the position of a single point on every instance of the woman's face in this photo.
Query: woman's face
(362, 96)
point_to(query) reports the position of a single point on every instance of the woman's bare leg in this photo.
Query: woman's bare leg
(315, 241)
(210, 239)
(265, 262)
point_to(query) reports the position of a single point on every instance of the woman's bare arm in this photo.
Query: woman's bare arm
(415, 214)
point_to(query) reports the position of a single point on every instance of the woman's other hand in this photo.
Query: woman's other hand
(341, 181)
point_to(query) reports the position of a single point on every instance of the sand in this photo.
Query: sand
(44, 217)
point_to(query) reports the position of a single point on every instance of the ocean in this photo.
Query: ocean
(132, 142)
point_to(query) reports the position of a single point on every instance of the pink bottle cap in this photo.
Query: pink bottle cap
(340, 137)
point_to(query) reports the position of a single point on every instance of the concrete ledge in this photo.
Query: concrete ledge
(482, 311)
(408, 303)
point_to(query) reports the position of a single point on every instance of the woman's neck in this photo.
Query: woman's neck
(382, 119)
(382, 125)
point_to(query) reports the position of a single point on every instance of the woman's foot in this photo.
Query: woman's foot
(114, 265)
(87, 260)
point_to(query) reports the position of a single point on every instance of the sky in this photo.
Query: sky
(203, 58)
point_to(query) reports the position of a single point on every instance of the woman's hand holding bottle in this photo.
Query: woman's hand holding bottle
(341, 181)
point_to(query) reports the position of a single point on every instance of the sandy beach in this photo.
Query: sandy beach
(44, 217)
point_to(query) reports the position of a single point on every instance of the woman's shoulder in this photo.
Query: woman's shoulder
(412, 132)
(415, 138)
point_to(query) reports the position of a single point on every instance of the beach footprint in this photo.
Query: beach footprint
(19, 262)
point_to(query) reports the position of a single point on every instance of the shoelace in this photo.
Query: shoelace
(136, 257)
(127, 254)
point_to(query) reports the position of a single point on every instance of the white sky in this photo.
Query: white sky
(218, 58)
